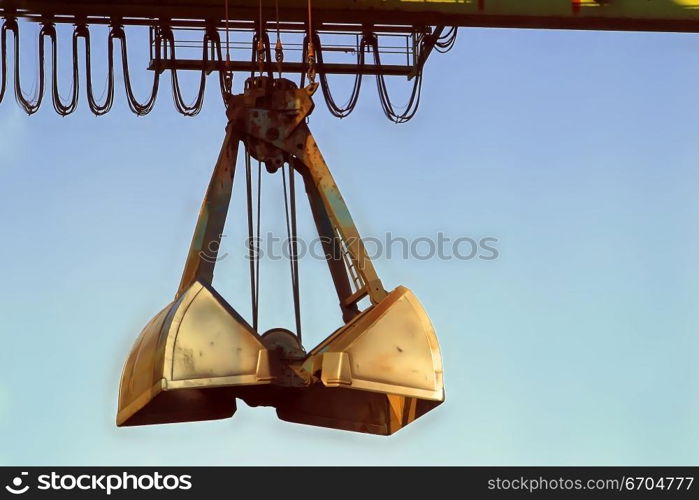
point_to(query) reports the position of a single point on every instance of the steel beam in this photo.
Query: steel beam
(287, 67)
(628, 15)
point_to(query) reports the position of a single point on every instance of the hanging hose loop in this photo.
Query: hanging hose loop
(117, 32)
(369, 42)
(389, 110)
(268, 60)
(195, 107)
(82, 31)
(49, 30)
(11, 25)
(351, 103)
(30, 105)
(3, 61)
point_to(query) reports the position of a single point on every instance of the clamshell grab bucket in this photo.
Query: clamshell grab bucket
(188, 361)
(377, 373)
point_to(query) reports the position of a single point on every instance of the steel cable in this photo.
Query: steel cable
(446, 41)
(351, 103)
(253, 255)
(194, 108)
(82, 31)
(30, 105)
(48, 30)
(389, 110)
(138, 108)
(3, 63)
(292, 239)
(165, 48)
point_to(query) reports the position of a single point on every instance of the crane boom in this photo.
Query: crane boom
(627, 15)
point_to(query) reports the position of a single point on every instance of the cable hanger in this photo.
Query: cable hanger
(278, 48)
(228, 74)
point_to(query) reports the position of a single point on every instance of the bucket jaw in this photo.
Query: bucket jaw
(377, 373)
(389, 348)
(188, 361)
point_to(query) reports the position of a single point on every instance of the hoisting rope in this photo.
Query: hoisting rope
(292, 239)
(251, 242)
(257, 260)
(253, 237)
(228, 41)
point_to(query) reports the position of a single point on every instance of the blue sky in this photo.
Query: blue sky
(578, 345)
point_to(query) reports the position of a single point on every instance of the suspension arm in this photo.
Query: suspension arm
(203, 251)
(271, 119)
(340, 218)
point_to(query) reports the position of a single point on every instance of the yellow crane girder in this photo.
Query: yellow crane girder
(655, 15)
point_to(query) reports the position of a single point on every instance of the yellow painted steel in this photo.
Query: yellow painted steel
(660, 15)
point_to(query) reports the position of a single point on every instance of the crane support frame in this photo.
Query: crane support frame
(622, 15)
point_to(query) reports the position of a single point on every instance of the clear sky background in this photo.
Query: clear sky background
(578, 345)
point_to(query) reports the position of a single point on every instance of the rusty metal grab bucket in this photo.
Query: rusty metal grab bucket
(376, 374)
